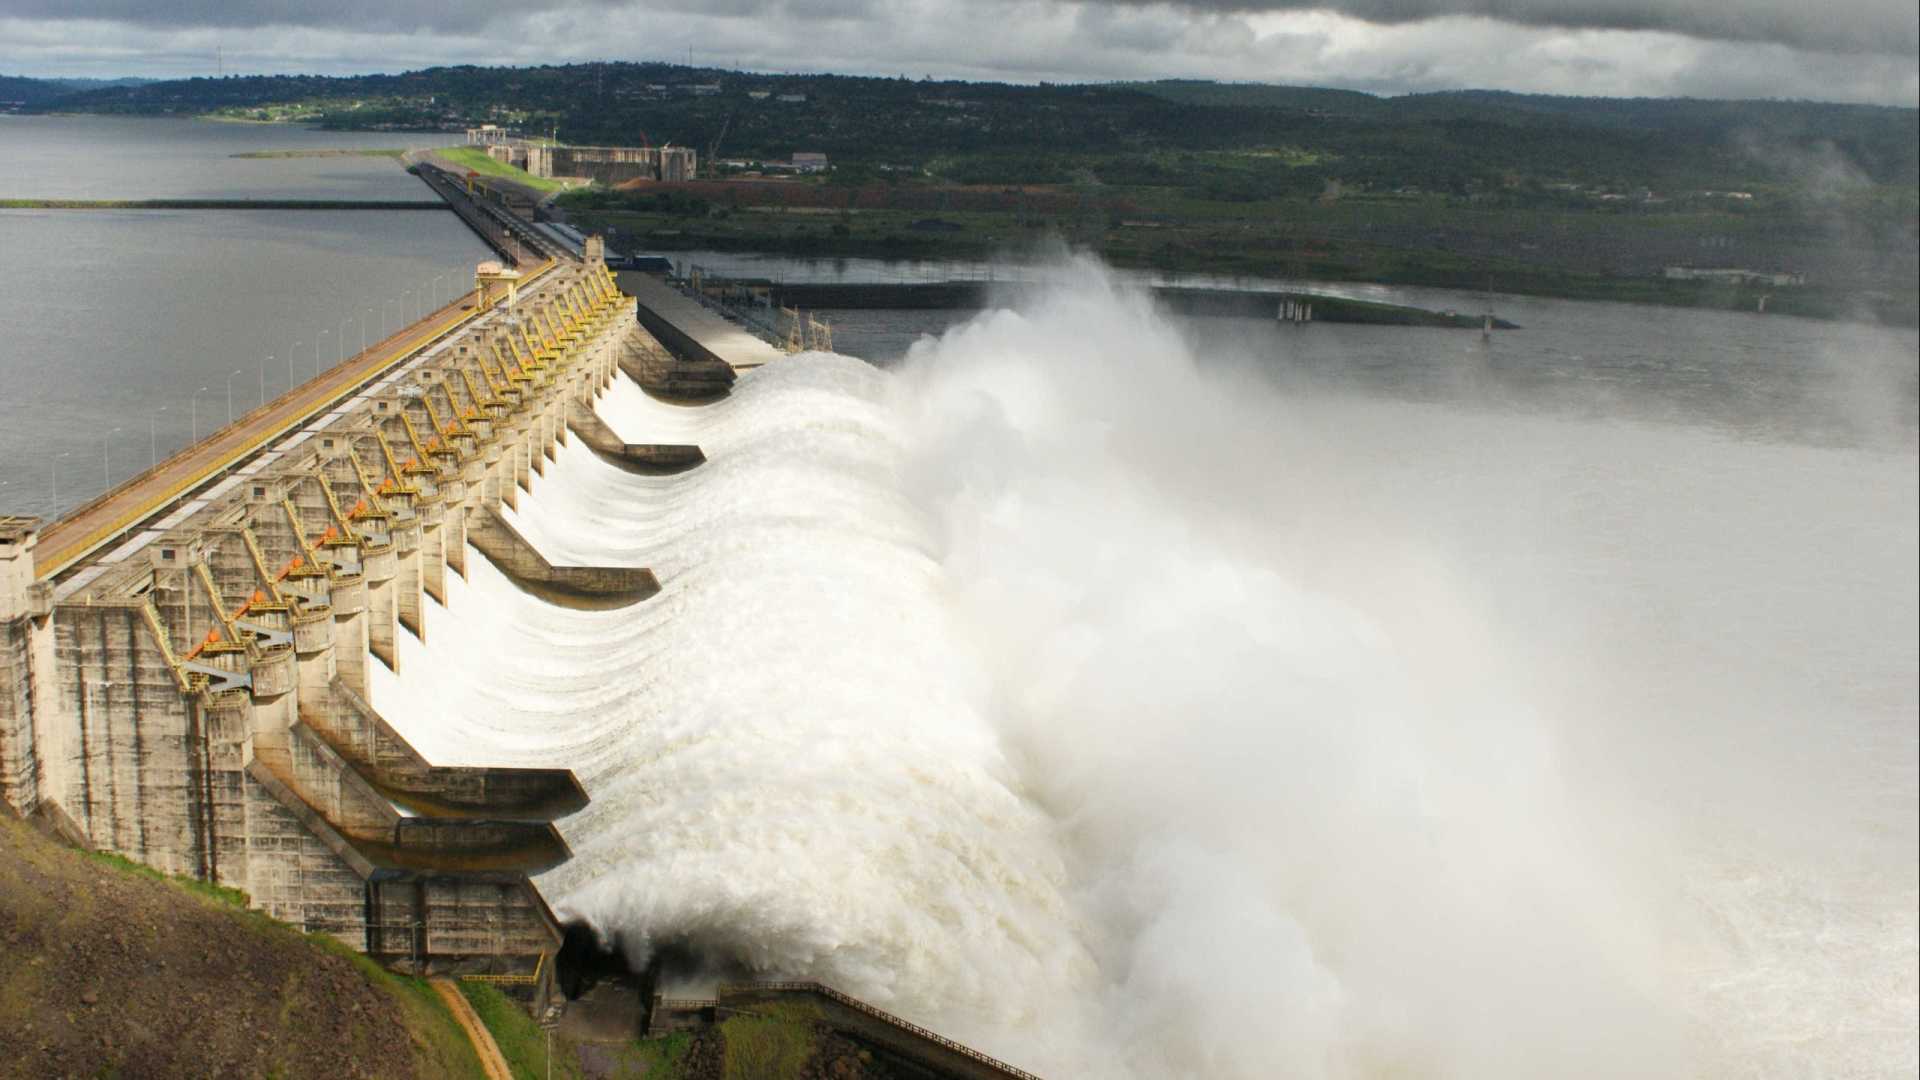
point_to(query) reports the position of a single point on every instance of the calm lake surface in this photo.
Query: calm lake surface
(125, 335)
(109, 157)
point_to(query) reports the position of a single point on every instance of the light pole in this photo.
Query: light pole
(236, 371)
(195, 409)
(437, 279)
(53, 473)
(316, 355)
(363, 325)
(106, 467)
(343, 327)
(153, 437)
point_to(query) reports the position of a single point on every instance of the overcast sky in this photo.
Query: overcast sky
(1837, 50)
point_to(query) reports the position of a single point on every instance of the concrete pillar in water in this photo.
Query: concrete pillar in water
(434, 555)
(349, 590)
(313, 656)
(382, 607)
(408, 563)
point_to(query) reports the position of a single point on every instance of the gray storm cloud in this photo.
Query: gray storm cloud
(1845, 26)
(1876, 26)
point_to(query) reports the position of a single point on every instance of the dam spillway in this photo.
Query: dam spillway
(208, 669)
(780, 771)
(186, 664)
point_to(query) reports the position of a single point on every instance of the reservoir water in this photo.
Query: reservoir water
(120, 331)
(1138, 698)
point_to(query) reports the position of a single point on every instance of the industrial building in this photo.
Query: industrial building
(601, 164)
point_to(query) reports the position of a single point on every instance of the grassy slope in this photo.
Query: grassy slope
(476, 159)
(111, 969)
(521, 1041)
(778, 1042)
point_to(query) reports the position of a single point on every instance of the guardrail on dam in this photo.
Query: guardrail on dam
(189, 688)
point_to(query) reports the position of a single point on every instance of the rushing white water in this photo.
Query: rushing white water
(1125, 717)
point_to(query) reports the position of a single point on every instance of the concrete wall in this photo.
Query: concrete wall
(615, 164)
(198, 701)
(21, 598)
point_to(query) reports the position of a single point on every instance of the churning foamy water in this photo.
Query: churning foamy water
(1126, 717)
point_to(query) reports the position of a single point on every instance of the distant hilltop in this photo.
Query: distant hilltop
(20, 92)
(1119, 133)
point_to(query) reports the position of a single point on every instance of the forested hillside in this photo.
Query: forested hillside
(1165, 133)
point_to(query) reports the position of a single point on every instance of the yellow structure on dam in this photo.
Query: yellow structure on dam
(184, 662)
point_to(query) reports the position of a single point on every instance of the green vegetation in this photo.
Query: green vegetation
(35, 92)
(219, 894)
(116, 969)
(777, 1041)
(523, 1042)
(655, 1059)
(1299, 242)
(468, 157)
(436, 1032)
(1455, 143)
(1580, 197)
(432, 1025)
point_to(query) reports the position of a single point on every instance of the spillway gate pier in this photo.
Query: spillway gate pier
(184, 662)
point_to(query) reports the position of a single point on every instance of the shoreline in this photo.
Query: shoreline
(220, 204)
(1392, 266)
(1309, 306)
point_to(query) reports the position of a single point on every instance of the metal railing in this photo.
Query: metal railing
(511, 980)
(452, 315)
(883, 1016)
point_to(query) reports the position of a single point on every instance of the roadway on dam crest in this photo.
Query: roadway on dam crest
(685, 326)
(138, 498)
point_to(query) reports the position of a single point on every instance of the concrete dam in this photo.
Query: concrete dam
(192, 691)
(236, 666)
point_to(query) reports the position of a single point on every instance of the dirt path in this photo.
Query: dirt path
(490, 1057)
